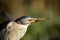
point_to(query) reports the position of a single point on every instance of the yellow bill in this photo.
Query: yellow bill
(38, 19)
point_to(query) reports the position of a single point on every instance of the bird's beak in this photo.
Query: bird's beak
(38, 19)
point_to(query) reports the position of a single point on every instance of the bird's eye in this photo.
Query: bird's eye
(30, 20)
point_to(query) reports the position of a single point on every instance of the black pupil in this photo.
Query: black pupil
(30, 20)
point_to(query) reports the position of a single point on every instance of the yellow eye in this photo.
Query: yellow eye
(30, 19)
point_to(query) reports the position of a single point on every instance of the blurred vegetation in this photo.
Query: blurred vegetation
(43, 30)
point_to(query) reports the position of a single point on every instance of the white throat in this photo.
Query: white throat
(24, 26)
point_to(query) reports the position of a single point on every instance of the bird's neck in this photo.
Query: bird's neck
(24, 26)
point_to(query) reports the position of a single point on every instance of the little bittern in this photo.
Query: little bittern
(15, 30)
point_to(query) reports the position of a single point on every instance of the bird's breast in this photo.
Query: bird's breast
(16, 31)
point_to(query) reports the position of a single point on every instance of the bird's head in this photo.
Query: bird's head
(28, 20)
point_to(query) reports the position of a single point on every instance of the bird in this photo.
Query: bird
(16, 29)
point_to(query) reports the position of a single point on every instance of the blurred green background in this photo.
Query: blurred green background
(43, 30)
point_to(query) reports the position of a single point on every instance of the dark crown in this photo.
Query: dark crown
(22, 18)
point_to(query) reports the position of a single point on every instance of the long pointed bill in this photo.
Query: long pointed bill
(38, 19)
